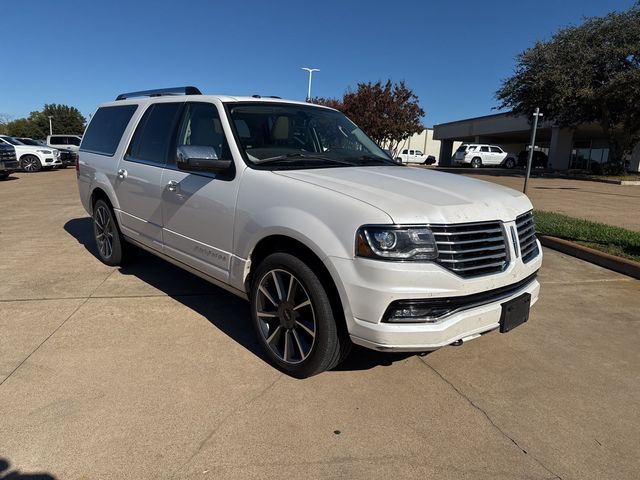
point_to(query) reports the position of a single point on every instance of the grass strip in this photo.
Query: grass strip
(606, 238)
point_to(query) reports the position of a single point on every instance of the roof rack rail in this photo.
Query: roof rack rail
(265, 96)
(161, 92)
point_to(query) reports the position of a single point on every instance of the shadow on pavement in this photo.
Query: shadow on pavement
(6, 474)
(227, 312)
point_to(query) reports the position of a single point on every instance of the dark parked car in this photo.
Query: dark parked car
(68, 157)
(8, 162)
(540, 159)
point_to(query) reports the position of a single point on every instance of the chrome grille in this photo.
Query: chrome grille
(471, 249)
(527, 237)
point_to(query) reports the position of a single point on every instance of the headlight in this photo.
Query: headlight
(46, 152)
(396, 243)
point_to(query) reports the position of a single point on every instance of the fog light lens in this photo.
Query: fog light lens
(415, 313)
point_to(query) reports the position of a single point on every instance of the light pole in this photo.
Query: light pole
(50, 125)
(310, 70)
(536, 114)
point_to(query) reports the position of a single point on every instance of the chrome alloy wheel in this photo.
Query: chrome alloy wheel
(285, 315)
(104, 231)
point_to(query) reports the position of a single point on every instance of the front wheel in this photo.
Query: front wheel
(510, 163)
(293, 317)
(30, 163)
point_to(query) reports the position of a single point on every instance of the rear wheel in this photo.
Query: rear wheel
(476, 162)
(30, 163)
(293, 317)
(4, 175)
(109, 241)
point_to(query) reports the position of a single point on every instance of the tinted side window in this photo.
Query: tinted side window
(484, 149)
(57, 140)
(496, 150)
(201, 126)
(73, 141)
(154, 133)
(106, 128)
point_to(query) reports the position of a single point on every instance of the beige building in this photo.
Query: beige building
(424, 142)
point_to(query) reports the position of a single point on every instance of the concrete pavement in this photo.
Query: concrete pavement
(599, 202)
(149, 372)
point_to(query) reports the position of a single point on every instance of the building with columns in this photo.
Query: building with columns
(567, 148)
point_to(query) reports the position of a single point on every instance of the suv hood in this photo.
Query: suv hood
(416, 195)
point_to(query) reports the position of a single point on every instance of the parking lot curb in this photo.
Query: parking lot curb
(617, 264)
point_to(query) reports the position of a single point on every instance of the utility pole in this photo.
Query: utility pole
(536, 114)
(310, 70)
(50, 125)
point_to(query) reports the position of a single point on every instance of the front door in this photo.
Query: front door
(198, 208)
(138, 183)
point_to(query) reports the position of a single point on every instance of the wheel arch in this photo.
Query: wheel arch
(279, 243)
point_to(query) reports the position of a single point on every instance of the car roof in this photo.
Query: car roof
(200, 98)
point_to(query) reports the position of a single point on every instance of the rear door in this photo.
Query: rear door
(485, 155)
(497, 155)
(138, 184)
(198, 208)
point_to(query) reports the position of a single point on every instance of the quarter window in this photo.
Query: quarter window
(154, 133)
(496, 150)
(106, 128)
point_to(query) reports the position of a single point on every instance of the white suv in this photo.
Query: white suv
(33, 158)
(477, 155)
(67, 142)
(291, 206)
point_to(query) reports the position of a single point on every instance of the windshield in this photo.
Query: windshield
(74, 141)
(12, 141)
(28, 141)
(300, 135)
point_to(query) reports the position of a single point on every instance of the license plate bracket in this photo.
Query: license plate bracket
(515, 312)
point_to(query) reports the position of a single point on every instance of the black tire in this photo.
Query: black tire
(62, 167)
(509, 163)
(4, 175)
(285, 329)
(476, 162)
(30, 163)
(111, 245)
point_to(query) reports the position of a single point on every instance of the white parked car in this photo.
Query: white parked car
(33, 158)
(68, 142)
(478, 155)
(292, 207)
(409, 156)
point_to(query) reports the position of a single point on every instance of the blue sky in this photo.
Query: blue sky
(453, 54)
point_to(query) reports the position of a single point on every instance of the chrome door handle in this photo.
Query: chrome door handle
(122, 174)
(172, 186)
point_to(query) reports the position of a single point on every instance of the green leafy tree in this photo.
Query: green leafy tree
(388, 113)
(66, 119)
(586, 73)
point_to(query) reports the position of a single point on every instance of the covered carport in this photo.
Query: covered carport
(513, 132)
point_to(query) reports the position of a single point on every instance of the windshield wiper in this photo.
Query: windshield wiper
(301, 156)
(371, 158)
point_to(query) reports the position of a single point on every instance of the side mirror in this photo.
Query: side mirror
(200, 158)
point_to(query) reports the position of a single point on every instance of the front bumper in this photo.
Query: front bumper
(368, 287)
(8, 166)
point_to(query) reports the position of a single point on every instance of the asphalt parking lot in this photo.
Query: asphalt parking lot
(149, 372)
